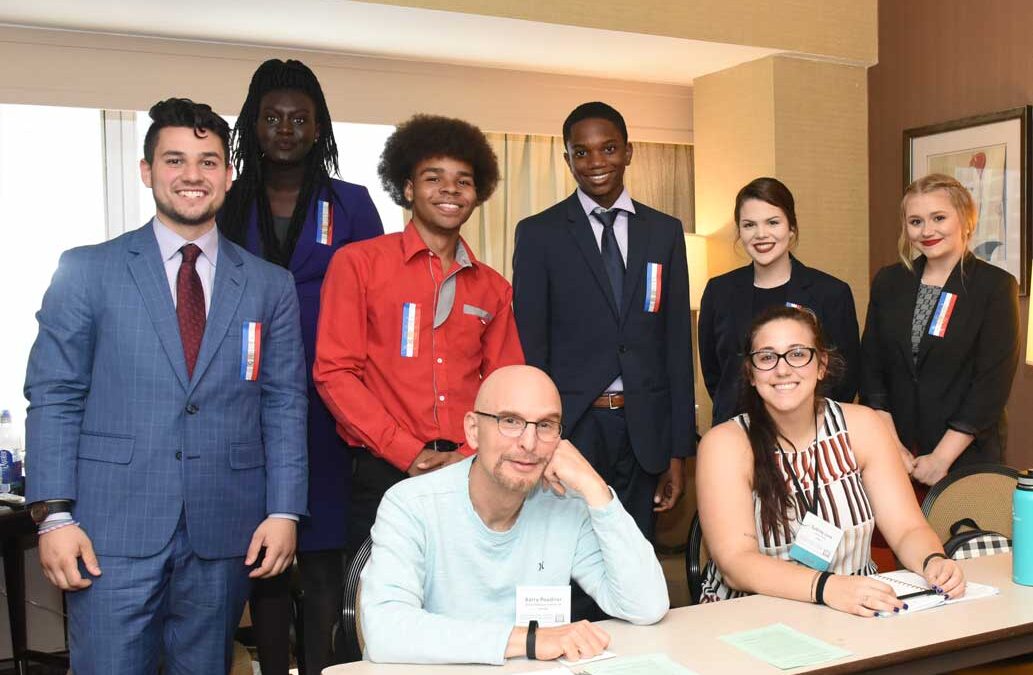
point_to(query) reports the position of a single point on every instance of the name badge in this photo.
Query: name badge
(324, 223)
(654, 287)
(816, 542)
(548, 605)
(942, 315)
(250, 350)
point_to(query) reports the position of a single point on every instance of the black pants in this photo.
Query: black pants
(601, 436)
(372, 478)
(321, 576)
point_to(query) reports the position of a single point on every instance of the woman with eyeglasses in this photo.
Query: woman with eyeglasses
(765, 220)
(941, 342)
(797, 468)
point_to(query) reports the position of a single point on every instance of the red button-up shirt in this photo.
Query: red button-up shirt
(393, 380)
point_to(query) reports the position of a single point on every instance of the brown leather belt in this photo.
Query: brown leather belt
(613, 401)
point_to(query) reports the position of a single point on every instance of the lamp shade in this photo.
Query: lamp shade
(696, 253)
(1029, 333)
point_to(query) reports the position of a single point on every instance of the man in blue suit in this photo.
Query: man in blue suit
(601, 296)
(167, 420)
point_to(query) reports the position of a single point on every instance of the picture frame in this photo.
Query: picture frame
(990, 155)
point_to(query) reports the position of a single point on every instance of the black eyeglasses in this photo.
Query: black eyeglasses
(512, 426)
(797, 357)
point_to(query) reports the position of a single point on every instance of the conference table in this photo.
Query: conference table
(931, 641)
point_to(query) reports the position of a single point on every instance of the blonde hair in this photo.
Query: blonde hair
(960, 199)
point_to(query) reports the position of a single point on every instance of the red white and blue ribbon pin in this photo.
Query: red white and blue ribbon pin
(251, 350)
(942, 314)
(654, 286)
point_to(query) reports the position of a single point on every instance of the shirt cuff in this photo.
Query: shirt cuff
(285, 516)
(54, 519)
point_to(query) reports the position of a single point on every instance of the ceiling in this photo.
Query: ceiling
(350, 27)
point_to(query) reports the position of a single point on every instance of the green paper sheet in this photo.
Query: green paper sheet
(784, 647)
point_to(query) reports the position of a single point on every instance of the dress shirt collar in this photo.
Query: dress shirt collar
(623, 202)
(169, 242)
(412, 243)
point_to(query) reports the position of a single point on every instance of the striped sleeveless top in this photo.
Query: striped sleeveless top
(842, 501)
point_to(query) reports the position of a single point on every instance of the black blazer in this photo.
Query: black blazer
(568, 322)
(726, 313)
(962, 380)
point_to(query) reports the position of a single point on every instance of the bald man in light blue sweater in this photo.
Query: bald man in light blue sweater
(450, 548)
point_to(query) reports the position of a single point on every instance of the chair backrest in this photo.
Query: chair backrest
(982, 492)
(696, 559)
(349, 640)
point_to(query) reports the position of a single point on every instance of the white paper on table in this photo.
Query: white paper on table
(605, 654)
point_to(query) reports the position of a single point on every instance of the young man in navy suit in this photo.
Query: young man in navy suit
(167, 419)
(601, 299)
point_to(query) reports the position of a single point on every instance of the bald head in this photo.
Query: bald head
(507, 386)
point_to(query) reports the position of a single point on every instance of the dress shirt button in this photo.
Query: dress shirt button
(441, 360)
(192, 409)
(441, 398)
(622, 349)
(179, 455)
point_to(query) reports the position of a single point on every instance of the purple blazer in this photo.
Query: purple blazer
(335, 218)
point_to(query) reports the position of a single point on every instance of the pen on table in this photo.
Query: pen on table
(917, 594)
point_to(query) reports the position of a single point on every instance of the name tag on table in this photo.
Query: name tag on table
(548, 605)
(816, 542)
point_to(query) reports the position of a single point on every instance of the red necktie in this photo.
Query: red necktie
(190, 305)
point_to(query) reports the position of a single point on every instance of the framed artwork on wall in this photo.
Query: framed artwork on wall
(989, 155)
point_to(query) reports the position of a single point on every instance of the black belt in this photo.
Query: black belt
(441, 445)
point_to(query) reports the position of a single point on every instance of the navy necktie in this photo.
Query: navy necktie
(612, 260)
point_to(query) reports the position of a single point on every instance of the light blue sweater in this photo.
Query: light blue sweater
(440, 587)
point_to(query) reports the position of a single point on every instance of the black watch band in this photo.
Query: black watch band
(532, 629)
(40, 511)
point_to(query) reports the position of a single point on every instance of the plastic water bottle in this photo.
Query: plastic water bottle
(1022, 530)
(11, 476)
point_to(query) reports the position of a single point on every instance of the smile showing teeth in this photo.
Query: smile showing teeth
(764, 247)
(785, 386)
(191, 194)
(448, 207)
(602, 178)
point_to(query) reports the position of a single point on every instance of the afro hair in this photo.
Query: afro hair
(425, 136)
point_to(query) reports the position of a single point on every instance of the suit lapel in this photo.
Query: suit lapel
(798, 290)
(638, 243)
(148, 271)
(581, 230)
(307, 239)
(929, 342)
(226, 293)
(742, 303)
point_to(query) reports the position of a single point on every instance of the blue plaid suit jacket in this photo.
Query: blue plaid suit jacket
(115, 424)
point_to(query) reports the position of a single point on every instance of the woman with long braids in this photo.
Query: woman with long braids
(786, 472)
(285, 207)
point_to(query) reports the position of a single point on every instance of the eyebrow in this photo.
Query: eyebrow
(555, 417)
(439, 170)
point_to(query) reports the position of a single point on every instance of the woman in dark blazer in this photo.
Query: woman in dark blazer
(941, 342)
(285, 207)
(765, 217)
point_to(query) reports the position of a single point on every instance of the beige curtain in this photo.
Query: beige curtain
(534, 177)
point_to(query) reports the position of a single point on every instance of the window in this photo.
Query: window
(51, 199)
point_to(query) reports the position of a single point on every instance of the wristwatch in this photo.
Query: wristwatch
(39, 511)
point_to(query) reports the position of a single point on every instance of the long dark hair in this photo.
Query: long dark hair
(763, 433)
(249, 188)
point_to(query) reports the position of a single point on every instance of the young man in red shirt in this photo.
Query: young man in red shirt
(412, 322)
